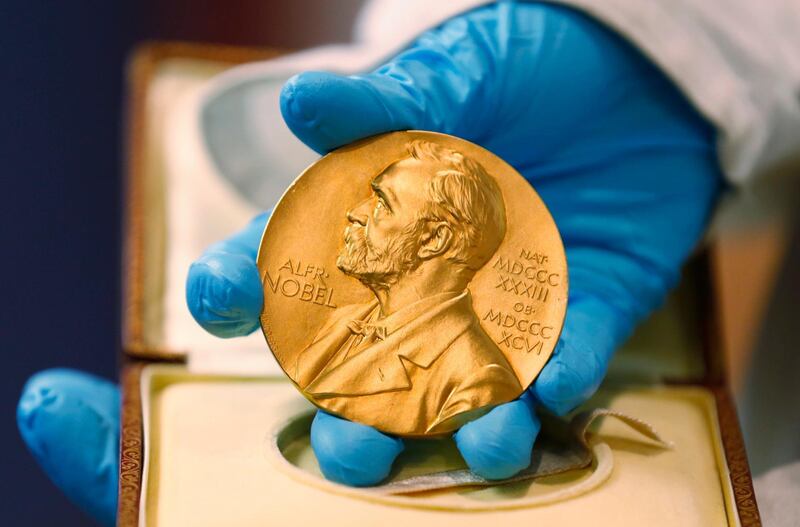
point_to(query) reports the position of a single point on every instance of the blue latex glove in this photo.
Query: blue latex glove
(70, 422)
(626, 166)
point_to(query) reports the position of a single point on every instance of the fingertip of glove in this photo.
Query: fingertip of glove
(352, 453)
(224, 294)
(45, 390)
(70, 422)
(560, 388)
(37, 394)
(297, 96)
(300, 102)
(499, 444)
(320, 109)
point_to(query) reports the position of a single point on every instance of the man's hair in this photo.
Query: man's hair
(464, 195)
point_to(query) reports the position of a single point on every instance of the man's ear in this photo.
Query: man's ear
(436, 240)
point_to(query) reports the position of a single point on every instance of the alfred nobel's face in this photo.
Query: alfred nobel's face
(383, 238)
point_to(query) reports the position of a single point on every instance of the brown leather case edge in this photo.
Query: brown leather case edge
(141, 66)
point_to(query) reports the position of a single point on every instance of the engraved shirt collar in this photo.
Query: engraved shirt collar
(409, 313)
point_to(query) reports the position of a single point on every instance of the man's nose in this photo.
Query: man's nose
(360, 213)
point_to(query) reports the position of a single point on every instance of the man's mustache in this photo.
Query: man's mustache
(355, 233)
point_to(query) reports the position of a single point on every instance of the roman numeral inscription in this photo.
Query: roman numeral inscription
(518, 331)
(528, 280)
(525, 276)
(303, 281)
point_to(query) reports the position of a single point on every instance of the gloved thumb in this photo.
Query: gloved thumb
(70, 422)
(429, 86)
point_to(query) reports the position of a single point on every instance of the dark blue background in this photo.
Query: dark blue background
(60, 88)
(61, 91)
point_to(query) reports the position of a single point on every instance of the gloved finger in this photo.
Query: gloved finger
(70, 422)
(352, 453)
(626, 237)
(610, 291)
(429, 86)
(580, 360)
(223, 288)
(499, 444)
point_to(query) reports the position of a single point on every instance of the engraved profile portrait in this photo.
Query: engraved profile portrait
(417, 351)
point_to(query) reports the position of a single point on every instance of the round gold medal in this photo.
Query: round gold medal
(412, 281)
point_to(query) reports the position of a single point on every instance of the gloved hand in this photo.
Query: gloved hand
(624, 163)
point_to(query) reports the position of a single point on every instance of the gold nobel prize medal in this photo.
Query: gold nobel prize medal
(412, 281)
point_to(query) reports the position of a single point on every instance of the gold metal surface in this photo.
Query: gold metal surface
(412, 281)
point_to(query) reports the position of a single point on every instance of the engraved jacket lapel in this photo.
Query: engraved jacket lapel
(329, 341)
(380, 367)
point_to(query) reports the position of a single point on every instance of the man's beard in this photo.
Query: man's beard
(376, 267)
